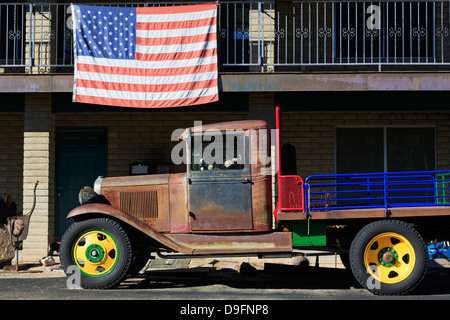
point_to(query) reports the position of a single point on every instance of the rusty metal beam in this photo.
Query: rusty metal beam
(265, 82)
(24, 83)
(368, 81)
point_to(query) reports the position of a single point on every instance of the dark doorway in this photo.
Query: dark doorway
(81, 156)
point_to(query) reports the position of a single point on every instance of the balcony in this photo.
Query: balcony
(263, 37)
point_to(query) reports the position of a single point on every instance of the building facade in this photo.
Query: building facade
(362, 87)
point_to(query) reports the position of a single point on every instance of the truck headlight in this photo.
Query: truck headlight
(98, 185)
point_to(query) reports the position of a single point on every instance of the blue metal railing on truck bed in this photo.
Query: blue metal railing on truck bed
(377, 190)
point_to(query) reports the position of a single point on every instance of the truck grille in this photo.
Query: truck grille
(140, 204)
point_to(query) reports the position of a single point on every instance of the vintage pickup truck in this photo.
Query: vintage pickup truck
(380, 223)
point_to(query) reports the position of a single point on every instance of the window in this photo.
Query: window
(390, 149)
(410, 149)
(359, 150)
(211, 151)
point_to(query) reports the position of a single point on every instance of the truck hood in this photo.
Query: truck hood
(130, 181)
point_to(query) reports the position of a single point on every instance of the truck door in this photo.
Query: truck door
(220, 193)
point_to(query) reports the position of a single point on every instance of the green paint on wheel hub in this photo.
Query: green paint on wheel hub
(95, 253)
(387, 257)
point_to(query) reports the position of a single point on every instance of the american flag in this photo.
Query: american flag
(146, 57)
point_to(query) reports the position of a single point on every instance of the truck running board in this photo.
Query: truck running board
(265, 255)
(236, 243)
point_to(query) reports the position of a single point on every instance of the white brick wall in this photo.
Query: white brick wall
(38, 164)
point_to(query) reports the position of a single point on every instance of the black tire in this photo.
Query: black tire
(119, 256)
(402, 270)
(345, 259)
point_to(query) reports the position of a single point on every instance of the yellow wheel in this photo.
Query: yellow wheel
(95, 253)
(100, 249)
(388, 257)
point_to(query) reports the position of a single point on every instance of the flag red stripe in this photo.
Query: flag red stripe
(176, 9)
(82, 83)
(175, 55)
(146, 103)
(175, 40)
(175, 24)
(162, 72)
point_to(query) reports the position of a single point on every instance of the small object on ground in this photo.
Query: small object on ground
(47, 261)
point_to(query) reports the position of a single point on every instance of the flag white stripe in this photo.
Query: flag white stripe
(147, 64)
(157, 96)
(177, 48)
(152, 80)
(173, 33)
(175, 17)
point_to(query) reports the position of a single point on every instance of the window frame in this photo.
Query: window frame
(225, 173)
(385, 143)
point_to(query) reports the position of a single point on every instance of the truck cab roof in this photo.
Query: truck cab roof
(229, 125)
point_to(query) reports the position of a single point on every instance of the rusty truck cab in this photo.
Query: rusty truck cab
(215, 194)
(230, 191)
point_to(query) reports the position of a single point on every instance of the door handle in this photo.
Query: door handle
(246, 180)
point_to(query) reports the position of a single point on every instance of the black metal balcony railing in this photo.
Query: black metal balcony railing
(264, 36)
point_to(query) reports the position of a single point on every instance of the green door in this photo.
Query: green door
(81, 156)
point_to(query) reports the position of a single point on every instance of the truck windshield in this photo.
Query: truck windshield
(217, 150)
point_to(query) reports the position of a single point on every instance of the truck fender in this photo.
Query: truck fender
(130, 220)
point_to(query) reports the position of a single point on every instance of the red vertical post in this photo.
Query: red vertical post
(278, 149)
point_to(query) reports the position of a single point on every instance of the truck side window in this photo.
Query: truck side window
(217, 151)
